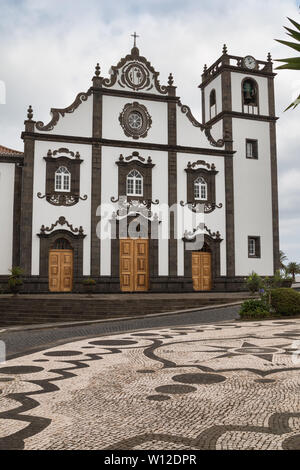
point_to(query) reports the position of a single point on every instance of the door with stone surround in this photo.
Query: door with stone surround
(134, 265)
(60, 270)
(201, 271)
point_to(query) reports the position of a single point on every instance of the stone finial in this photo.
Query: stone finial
(170, 80)
(97, 70)
(269, 57)
(49, 153)
(225, 49)
(30, 113)
(205, 68)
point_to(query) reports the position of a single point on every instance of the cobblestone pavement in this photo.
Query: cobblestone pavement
(226, 385)
(26, 341)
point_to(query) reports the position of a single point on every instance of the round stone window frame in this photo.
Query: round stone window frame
(146, 118)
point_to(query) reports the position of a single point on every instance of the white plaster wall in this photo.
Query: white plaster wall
(47, 214)
(189, 135)
(217, 85)
(216, 221)
(253, 197)
(79, 123)
(109, 188)
(236, 85)
(217, 130)
(112, 129)
(7, 181)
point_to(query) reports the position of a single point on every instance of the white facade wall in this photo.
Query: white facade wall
(252, 197)
(216, 221)
(109, 188)
(47, 214)
(78, 123)
(7, 182)
(236, 86)
(217, 85)
(111, 128)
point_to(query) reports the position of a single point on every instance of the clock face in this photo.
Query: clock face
(135, 120)
(250, 62)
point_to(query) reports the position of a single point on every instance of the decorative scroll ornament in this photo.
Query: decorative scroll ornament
(62, 221)
(135, 156)
(135, 120)
(135, 72)
(207, 130)
(198, 207)
(57, 113)
(62, 199)
(190, 236)
(133, 205)
(192, 166)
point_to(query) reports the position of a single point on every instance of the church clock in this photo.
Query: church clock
(249, 62)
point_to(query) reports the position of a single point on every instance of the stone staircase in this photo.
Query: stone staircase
(40, 309)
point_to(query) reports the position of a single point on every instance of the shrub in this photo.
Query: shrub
(254, 309)
(15, 280)
(254, 282)
(285, 301)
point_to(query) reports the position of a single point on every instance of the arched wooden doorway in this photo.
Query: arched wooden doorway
(61, 262)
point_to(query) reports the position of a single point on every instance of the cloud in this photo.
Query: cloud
(48, 51)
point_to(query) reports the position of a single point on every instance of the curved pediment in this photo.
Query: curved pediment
(134, 73)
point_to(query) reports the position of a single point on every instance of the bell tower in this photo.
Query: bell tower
(238, 100)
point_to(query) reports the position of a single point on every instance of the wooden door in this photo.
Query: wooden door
(60, 270)
(201, 271)
(134, 265)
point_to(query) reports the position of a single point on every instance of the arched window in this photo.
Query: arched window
(134, 184)
(63, 180)
(250, 96)
(200, 189)
(62, 244)
(212, 104)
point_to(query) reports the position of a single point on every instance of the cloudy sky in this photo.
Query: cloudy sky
(48, 50)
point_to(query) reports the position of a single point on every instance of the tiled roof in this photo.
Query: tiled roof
(7, 151)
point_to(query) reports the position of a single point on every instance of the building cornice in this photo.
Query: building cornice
(235, 114)
(125, 144)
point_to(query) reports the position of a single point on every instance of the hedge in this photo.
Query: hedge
(285, 301)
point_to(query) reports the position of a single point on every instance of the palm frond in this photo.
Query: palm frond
(293, 34)
(294, 23)
(294, 104)
(293, 45)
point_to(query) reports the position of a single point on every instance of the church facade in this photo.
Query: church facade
(100, 190)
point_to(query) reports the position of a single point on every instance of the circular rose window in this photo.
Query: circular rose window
(135, 120)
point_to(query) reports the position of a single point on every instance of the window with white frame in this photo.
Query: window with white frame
(200, 189)
(254, 247)
(134, 184)
(63, 180)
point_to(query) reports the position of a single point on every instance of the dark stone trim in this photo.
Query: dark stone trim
(139, 95)
(27, 201)
(257, 246)
(17, 215)
(274, 184)
(172, 187)
(231, 68)
(145, 169)
(146, 120)
(229, 197)
(96, 179)
(255, 142)
(274, 177)
(214, 249)
(235, 114)
(11, 159)
(128, 144)
(210, 178)
(47, 242)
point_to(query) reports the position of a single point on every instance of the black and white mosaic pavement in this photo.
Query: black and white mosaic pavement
(227, 385)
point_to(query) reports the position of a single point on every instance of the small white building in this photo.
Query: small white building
(129, 142)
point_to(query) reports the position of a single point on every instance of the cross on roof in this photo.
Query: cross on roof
(135, 36)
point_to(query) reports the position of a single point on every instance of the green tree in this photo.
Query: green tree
(293, 268)
(292, 63)
(282, 259)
